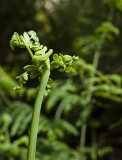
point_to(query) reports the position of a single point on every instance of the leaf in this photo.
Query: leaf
(107, 27)
(36, 46)
(44, 49)
(26, 36)
(34, 74)
(105, 150)
(29, 67)
(75, 58)
(39, 52)
(17, 88)
(33, 36)
(69, 69)
(39, 58)
(68, 127)
(86, 43)
(41, 55)
(55, 57)
(66, 58)
(64, 61)
(116, 79)
(62, 70)
(49, 52)
(21, 80)
(25, 76)
(16, 41)
(59, 60)
(54, 65)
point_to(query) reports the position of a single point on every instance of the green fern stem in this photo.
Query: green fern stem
(95, 64)
(35, 117)
(41, 63)
(89, 95)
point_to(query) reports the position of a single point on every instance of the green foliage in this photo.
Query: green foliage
(16, 41)
(22, 80)
(88, 97)
(40, 58)
(63, 61)
(86, 44)
(58, 150)
(109, 87)
(66, 99)
(11, 119)
(41, 66)
(19, 111)
(55, 129)
(7, 84)
(107, 27)
(105, 150)
(60, 91)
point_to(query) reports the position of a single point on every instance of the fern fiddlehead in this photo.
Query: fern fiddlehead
(41, 68)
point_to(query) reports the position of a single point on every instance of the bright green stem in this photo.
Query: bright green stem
(35, 117)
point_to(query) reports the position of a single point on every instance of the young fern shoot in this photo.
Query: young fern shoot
(41, 67)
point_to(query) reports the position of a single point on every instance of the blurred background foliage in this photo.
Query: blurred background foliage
(81, 117)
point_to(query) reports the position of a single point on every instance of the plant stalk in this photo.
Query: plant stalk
(83, 135)
(95, 64)
(35, 117)
(89, 95)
